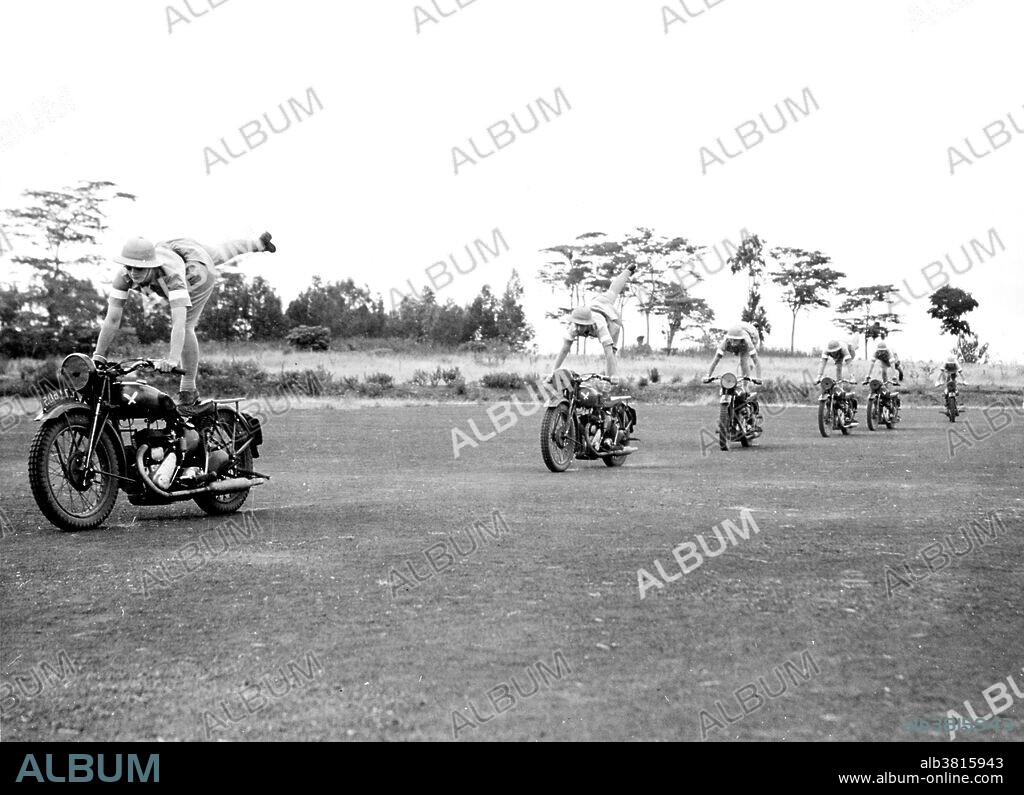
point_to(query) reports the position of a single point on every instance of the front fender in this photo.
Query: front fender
(70, 406)
(555, 402)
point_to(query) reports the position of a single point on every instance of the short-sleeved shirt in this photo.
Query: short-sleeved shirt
(844, 354)
(599, 329)
(169, 281)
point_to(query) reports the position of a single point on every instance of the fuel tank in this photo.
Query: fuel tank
(137, 399)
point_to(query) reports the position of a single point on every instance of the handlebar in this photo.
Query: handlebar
(138, 365)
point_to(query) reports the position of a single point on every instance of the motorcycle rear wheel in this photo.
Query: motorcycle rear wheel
(557, 439)
(229, 434)
(61, 444)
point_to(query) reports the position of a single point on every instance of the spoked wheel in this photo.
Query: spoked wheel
(557, 438)
(951, 410)
(874, 416)
(226, 436)
(64, 478)
(889, 416)
(724, 426)
(825, 417)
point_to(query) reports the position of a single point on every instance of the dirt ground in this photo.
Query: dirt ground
(301, 619)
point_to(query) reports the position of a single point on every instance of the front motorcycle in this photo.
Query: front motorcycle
(953, 407)
(739, 413)
(834, 412)
(883, 404)
(103, 431)
(583, 421)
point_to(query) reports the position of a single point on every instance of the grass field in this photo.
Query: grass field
(294, 622)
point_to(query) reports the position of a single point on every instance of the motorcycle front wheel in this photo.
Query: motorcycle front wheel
(66, 486)
(824, 418)
(557, 439)
(951, 411)
(724, 426)
(874, 418)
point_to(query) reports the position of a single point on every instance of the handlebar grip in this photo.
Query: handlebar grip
(179, 371)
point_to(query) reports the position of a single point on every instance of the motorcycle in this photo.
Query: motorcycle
(739, 413)
(953, 408)
(883, 404)
(102, 431)
(585, 422)
(834, 411)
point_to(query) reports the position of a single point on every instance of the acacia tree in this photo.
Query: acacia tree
(749, 257)
(948, 306)
(61, 228)
(858, 315)
(805, 281)
(685, 315)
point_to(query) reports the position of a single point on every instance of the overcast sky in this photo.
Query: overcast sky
(365, 186)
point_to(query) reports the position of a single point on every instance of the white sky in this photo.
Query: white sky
(365, 187)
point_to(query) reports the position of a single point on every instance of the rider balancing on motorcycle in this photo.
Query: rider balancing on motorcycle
(840, 353)
(600, 319)
(949, 370)
(886, 357)
(742, 340)
(184, 272)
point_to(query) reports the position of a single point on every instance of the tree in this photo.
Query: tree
(805, 281)
(857, 313)
(511, 323)
(482, 315)
(266, 320)
(62, 229)
(749, 257)
(949, 305)
(226, 316)
(684, 315)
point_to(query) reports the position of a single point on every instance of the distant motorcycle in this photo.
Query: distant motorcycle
(101, 432)
(583, 421)
(739, 413)
(953, 407)
(834, 411)
(883, 404)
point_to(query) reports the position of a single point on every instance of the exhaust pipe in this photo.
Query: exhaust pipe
(217, 487)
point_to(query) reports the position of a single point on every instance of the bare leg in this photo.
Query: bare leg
(189, 360)
(229, 249)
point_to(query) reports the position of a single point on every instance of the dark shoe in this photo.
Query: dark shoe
(267, 245)
(186, 401)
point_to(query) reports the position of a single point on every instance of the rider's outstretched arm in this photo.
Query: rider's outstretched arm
(177, 334)
(566, 347)
(714, 364)
(609, 360)
(757, 365)
(108, 330)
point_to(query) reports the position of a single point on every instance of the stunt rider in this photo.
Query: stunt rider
(742, 340)
(184, 272)
(840, 352)
(601, 320)
(886, 357)
(951, 371)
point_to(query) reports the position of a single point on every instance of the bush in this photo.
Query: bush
(314, 338)
(642, 382)
(655, 375)
(383, 380)
(503, 381)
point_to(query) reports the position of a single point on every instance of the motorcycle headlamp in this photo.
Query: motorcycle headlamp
(76, 370)
(875, 384)
(827, 383)
(728, 381)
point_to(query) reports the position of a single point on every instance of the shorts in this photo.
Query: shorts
(201, 281)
